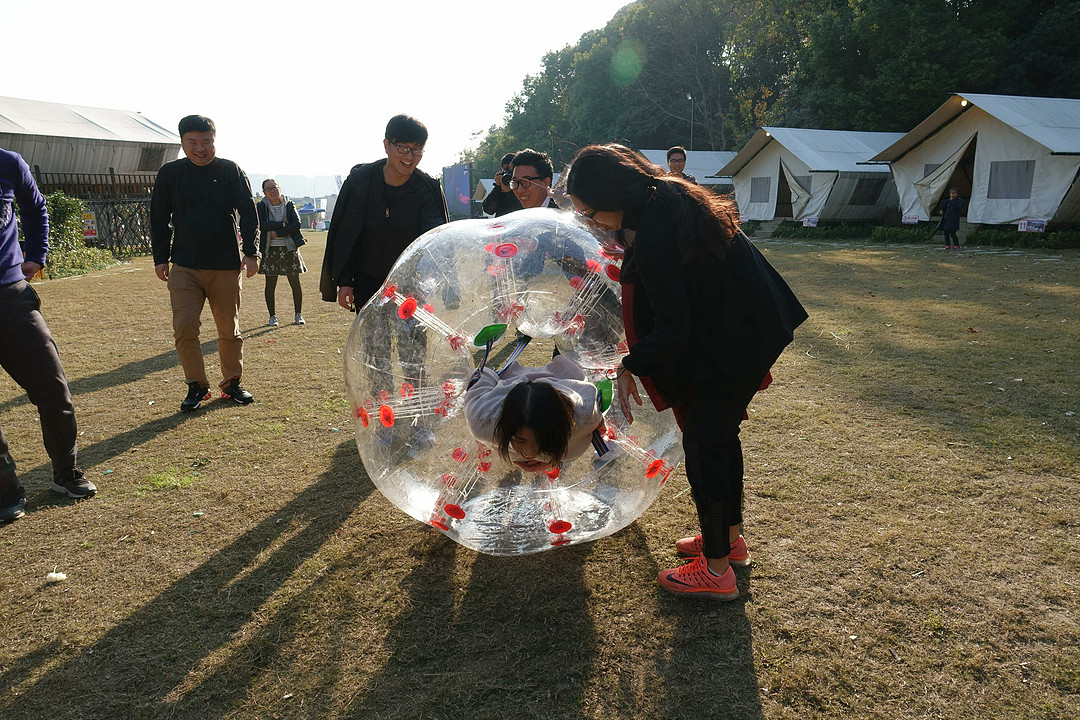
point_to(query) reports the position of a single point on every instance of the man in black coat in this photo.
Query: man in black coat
(382, 207)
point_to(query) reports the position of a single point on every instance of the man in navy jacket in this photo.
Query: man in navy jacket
(27, 350)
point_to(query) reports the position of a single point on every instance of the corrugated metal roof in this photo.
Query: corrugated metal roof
(34, 117)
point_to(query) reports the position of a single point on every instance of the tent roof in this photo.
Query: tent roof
(34, 117)
(1051, 122)
(820, 150)
(702, 164)
(483, 187)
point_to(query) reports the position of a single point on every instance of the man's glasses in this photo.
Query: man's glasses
(524, 182)
(406, 150)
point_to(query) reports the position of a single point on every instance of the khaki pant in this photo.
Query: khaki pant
(189, 290)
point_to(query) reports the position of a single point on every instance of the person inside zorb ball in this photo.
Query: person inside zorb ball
(456, 431)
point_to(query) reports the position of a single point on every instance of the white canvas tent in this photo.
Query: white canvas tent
(812, 175)
(483, 187)
(702, 164)
(57, 138)
(1014, 158)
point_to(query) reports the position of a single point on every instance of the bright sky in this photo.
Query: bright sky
(299, 88)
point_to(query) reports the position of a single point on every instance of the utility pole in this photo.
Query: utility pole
(691, 99)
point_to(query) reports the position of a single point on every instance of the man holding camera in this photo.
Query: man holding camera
(501, 199)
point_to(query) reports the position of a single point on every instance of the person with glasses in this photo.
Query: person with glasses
(531, 179)
(381, 208)
(676, 162)
(706, 316)
(280, 240)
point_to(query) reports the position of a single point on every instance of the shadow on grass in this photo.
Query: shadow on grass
(518, 643)
(131, 671)
(710, 669)
(104, 451)
(135, 371)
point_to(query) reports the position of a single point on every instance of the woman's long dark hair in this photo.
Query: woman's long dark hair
(541, 408)
(614, 177)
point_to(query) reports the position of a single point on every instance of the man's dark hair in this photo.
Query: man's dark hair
(676, 149)
(506, 159)
(405, 129)
(538, 160)
(197, 123)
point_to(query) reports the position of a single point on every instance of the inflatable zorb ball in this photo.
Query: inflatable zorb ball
(415, 345)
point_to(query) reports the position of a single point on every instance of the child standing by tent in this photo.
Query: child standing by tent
(950, 218)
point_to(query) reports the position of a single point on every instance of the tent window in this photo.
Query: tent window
(151, 159)
(759, 189)
(867, 191)
(929, 168)
(1011, 179)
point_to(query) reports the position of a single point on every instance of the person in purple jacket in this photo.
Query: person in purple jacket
(27, 350)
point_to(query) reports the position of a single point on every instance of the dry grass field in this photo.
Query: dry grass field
(912, 494)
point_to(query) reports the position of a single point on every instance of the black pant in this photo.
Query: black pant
(714, 460)
(297, 293)
(950, 234)
(28, 353)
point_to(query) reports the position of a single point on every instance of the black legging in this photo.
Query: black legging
(297, 294)
(950, 234)
(714, 459)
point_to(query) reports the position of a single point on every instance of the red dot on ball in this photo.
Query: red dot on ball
(407, 309)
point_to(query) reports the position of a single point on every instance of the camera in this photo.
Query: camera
(505, 176)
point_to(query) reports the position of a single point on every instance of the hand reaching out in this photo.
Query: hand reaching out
(627, 388)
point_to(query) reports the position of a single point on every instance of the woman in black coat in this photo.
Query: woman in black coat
(706, 316)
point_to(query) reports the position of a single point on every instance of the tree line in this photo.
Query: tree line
(663, 69)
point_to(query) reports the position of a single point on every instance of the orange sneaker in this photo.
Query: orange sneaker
(691, 546)
(695, 580)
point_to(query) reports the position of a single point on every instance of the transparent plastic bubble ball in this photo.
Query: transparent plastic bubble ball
(415, 345)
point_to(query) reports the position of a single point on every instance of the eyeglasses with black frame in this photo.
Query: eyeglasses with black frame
(406, 150)
(524, 182)
(588, 215)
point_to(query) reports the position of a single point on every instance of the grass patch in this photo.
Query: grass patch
(171, 479)
(910, 503)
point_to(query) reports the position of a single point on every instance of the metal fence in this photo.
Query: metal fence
(123, 226)
(92, 186)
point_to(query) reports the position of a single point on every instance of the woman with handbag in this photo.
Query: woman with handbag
(279, 242)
